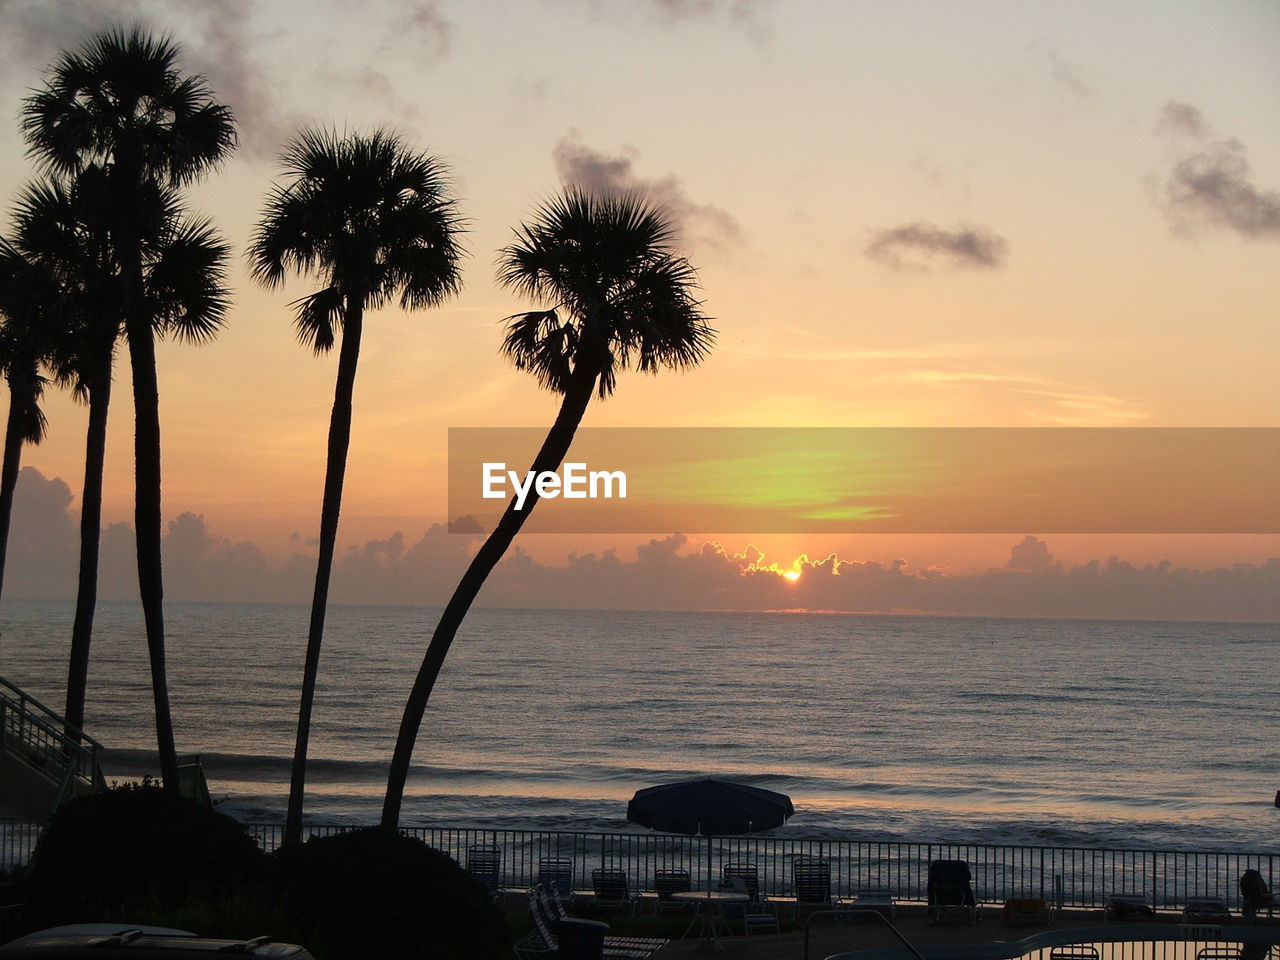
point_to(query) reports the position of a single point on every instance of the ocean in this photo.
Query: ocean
(1057, 732)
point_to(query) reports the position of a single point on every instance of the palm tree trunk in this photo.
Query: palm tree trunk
(13, 440)
(147, 521)
(90, 537)
(552, 454)
(335, 473)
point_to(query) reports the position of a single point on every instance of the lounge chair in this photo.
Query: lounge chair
(484, 864)
(1255, 896)
(950, 892)
(872, 896)
(550, 921)
(1128, 906)
(557, 872)
(611, 888)
(1206, 909)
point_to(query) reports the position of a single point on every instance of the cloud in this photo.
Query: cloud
(250, 65)
(1031, 555)
(1182, 119)
(1211, 183)
(749, 16)
(668, 573)
(1069, 75)
(218, 39)
(1214, 188)
(1055, 402)
(423, 24)
(918, 245)
(580, 165)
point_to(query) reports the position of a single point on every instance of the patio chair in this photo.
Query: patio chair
(557, 872)
(950, 891)
(749, 875)
(810, 884)
(1255, 895)
(873, 895)
(755, 913)
(666, 883)
(484, 864)
(611, 888)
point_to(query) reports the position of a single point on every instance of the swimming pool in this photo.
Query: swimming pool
(1111, 941)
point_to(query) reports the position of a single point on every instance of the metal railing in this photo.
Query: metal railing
(1063, 876)
(42, 740)
(1070, 877)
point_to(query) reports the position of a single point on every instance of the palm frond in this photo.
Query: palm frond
(318, 317)
(368, 217)
(607, 262)
(186, 285)
(120, 99)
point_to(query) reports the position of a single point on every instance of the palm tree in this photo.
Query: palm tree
(51, 230)
(58, 226)
(120, 104)
(370, 219)
(617, 296)
(23, 346)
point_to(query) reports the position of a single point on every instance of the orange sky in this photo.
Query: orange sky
(911, 214)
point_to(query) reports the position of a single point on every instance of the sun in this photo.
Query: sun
(792, 575)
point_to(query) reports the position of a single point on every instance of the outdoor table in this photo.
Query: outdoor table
(710, 905)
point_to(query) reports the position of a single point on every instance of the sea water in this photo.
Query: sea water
(1061, 732)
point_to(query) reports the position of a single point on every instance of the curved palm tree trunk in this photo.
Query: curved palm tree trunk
(335, 473)
(147, 521)
(90, 537)
(552, 454)
(13, 439)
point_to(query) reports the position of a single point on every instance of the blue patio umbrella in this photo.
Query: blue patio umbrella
(709, 808)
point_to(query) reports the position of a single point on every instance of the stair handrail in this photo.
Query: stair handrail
(80, 749)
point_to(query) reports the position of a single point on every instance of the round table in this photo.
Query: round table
(710, 905)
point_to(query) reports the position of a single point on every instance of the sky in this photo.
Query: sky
(908, 214)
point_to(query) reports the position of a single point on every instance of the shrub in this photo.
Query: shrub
(378, 894)
(114, 855)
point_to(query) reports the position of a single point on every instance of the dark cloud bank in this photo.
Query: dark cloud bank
(669, 573)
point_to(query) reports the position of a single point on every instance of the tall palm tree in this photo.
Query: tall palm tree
(55, 228)
(23, 347)
(121, 104)
(371, 220)
(59, 227)
(616, 296)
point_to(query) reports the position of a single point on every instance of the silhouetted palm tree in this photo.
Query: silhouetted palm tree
(120, 104)
(371, 220)
(51, 231)
(58, 227)
(617, 296)
(23, 347)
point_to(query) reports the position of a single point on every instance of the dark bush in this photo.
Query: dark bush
(378, 894)
(113, 855)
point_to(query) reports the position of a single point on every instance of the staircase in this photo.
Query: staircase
(43, 760)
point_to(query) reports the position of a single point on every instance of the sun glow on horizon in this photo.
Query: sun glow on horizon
(791, 575)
